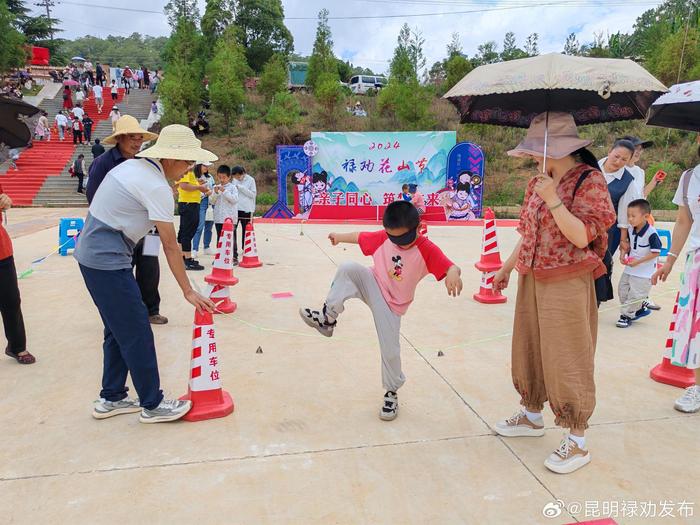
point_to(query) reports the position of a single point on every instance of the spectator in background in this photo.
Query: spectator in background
(61, 124)
(87, 128)
(146, 77)
(97, 93)
(417, 198)
(189, 192)
(77, 127)
(114, 91)
(79, 171)
(206, 216)
(118, 75)
(42, 127)
(115, 116)
(67, 98)
(10, 302)
(97, 149)
(99, 75)
(78, 111)
(247, 192)
(88, 70)
(139, 77)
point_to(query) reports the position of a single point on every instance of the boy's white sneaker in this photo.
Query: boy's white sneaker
(194, 254)
(568, 457)
(689, 402)
(390, 407)
(518, 425)
(317, 319)
(209, 251)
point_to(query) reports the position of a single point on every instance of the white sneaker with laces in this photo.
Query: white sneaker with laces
(209, 251)
(519, 425)
(317, 319)
(568, 457)
(104, 409)
(689, 402)
(194, 254)
(168, 410)
(390, 407)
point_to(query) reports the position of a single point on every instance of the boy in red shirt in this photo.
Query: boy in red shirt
(9, 296)
(401, 259)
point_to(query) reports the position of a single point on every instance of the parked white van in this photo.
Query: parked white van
(360, 84)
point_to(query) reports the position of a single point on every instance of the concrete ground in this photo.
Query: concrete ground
(305, 445)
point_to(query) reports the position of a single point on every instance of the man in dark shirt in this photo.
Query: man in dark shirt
(97, 149)
(128, 137)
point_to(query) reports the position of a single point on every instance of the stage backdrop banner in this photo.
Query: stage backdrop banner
(368, 169)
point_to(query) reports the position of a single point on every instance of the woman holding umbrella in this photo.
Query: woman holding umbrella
(563, 226)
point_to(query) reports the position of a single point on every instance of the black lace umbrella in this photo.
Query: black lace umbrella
(14, 132)
(593, 90)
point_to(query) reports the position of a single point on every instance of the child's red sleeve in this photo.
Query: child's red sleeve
(371, 241)
(437, 262)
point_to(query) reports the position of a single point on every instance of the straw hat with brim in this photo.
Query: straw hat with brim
(178, 142)
(562, 137)
(128, 125)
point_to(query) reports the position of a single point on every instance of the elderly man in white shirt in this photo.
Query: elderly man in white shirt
(247, 192)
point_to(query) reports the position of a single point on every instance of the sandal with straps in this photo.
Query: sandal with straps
(26, 359)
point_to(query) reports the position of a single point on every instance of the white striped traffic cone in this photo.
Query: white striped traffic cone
(221, 296)
(666, 372)
(209, 400)
(489, 263)
(222, 271)
(250, 250)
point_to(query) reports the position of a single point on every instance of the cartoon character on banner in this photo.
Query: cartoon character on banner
(304, 188)
(459, 202)
(319, 186)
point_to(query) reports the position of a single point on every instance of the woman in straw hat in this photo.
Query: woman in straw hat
(136, 196)
(563, 223)
(129, 137)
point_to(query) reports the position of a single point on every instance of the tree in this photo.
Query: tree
(227, 72)
(408, 104)
(262, 31)
(12, 52)
(177, 9)
(181, 88)
(531, 47)
(284, 110)
(328, 93)
(598, 48)
(571, 46)
(133, 50)
(455, 46)
(437, 73)
(457, 67)
(344, 70)
(218, 15)
(408, 59)
(665, 63)
(510, 49)
(322, 59)
(487, 53)
(274, 78)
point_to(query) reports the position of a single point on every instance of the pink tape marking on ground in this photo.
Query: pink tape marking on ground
(282, 295)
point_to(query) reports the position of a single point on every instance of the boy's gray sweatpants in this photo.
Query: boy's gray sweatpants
(352, 280)
(632, 291)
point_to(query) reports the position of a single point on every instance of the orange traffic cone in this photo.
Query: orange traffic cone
(222, 272)
(666, 372)
(250, 251)
(209, 400)
(221, 296)
(490, 255)
(489, 263)
(486, 293)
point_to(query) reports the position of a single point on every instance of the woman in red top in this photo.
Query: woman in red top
(9, 296)
(67, 98)
(563, 223)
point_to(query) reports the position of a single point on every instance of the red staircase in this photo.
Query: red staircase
(48, 159)
(45, 159)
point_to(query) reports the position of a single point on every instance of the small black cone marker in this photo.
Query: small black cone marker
(440, 354)
(259, 350)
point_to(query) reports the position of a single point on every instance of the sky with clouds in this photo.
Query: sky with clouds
(370, 42)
